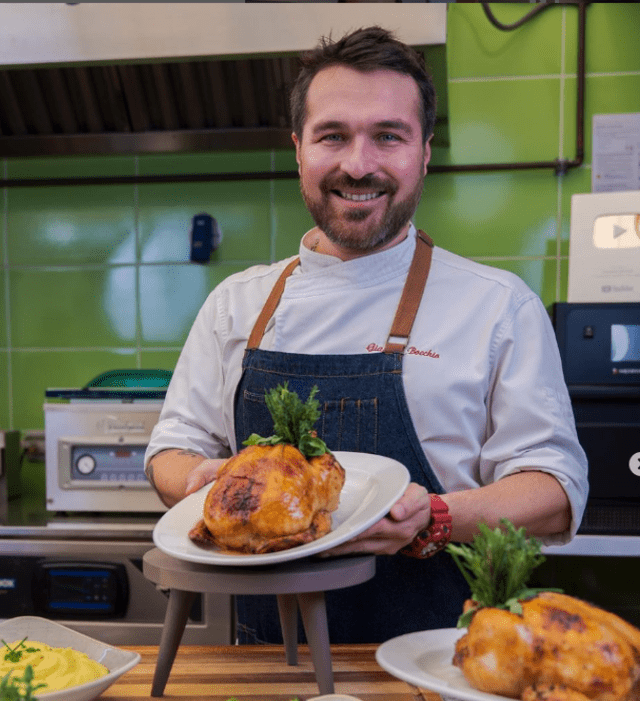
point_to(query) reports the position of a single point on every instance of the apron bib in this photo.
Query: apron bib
(363, 409)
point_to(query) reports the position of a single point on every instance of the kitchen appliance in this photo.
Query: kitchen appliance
(600, 349)
(97, 588)
(95, 441)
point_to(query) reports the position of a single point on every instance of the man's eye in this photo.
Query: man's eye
(389, 137)
(332, 137)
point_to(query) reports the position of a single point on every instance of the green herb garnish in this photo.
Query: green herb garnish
(19, 688)
(293, 422)
(497, 566)
(15, 654)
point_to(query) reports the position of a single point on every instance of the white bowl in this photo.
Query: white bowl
(44, 631)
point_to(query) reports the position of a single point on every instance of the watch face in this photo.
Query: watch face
(617, 231)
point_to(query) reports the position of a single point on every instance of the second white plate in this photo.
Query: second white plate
(424, 659)
(372, 485)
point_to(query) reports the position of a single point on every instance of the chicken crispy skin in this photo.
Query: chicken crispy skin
(559, 649)
(270, 498)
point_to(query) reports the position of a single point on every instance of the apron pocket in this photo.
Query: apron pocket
(350, 425)
(255, 418)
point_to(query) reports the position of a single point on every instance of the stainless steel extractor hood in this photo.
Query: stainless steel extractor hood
(92, 78)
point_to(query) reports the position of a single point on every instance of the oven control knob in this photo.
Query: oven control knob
(86, 464)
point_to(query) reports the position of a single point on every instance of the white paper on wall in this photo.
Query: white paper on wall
(616, 152)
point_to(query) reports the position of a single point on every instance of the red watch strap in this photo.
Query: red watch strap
(437, 534)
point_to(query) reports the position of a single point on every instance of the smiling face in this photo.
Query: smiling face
(361, 158)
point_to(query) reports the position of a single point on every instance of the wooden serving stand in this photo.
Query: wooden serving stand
(296, 584)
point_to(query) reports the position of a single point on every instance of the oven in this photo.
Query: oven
(97, 587)
(600, 349)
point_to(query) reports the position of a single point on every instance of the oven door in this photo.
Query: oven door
(609, 431)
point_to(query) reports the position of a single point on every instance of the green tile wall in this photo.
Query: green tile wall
(98, 277)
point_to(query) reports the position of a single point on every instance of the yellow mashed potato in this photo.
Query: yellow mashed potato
(57, 667)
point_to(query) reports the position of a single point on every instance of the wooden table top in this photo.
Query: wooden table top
(260, 673)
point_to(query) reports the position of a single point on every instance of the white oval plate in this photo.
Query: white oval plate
(424, 660)
(55, 634)
(372, 486)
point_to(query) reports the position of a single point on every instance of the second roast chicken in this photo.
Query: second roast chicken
(559, 649)
(269, 498)
(537, 644)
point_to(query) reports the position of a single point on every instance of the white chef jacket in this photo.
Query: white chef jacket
(481, 372)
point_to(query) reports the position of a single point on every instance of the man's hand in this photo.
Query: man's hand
(509, 497)
(176, 473)
(407, 517)
(204, 473)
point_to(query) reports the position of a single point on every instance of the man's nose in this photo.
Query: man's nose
(359, 159)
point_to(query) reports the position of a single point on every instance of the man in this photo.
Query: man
(461, 382)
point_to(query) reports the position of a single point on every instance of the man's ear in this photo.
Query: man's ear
(427, 155)
(297, 144)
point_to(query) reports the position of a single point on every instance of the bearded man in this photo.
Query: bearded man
(463, 384)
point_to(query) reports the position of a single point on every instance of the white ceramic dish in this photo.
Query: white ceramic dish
(424, 660)
(372, 485)
(44, 631)
(334, 697)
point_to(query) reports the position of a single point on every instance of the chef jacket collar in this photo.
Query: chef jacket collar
(383, 262)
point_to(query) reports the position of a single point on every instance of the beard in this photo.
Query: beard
(350, 229)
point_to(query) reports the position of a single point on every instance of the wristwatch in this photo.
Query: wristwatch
(436, 535)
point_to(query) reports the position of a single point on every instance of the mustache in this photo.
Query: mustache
(369, 182)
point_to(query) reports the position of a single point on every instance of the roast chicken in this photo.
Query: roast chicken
(269, 498)
(559, 649)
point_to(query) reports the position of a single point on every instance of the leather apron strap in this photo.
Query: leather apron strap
(270, 306)
(411, 295)
(405, 314)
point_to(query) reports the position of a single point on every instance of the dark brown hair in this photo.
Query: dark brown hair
(367, 49)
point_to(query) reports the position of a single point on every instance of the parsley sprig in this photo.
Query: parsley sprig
(19, 688)
(293, 422)
(14, 654)
(497, 566)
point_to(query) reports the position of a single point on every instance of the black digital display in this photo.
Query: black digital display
(80, 590)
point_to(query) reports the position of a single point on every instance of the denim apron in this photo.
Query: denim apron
(364, 409)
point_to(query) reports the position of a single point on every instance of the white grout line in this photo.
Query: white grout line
(521, 258)
(506, 78)
(614, 74)
(544, 76)
(78, 267)
(561, 124)
(99, 349)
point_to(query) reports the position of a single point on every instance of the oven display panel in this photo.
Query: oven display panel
(599, 343)
(108, 463)
(625, 343)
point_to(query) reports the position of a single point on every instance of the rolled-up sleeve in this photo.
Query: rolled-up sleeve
(193, 416)
(532, 426)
